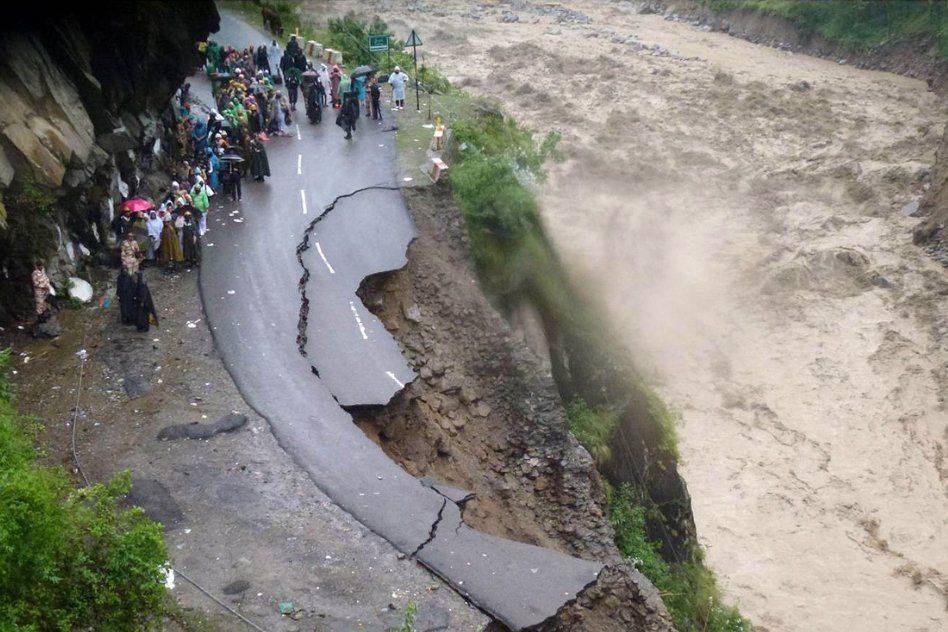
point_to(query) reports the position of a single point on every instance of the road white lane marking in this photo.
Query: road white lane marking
(299, 164)
(319, 249)
(352, 306)
(298, 135)
(303, 198)
(397, 381)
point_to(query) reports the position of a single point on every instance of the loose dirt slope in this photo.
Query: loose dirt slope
(739, 209)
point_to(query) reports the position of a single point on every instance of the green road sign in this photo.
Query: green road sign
(378, 43)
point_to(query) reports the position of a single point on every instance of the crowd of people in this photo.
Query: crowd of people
(216, 147)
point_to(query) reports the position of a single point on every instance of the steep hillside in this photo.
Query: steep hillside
(83, 92)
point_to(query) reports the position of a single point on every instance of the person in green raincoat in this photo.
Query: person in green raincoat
(259, 164)
(344, 84)
(200, 202)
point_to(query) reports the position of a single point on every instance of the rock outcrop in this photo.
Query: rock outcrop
(84, 121)
(935, 203)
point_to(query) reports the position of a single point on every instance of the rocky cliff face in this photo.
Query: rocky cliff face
(83, 94)
(935, 206)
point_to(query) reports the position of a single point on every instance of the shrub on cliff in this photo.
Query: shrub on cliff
(70, 559)
(688, 589)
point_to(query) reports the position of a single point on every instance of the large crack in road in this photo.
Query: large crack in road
(251, 276)
(303, 246)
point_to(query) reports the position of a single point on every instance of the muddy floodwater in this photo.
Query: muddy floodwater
(739, 209)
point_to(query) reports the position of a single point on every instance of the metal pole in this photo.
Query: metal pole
(417, 95)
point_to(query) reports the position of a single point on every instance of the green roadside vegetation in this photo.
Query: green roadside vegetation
(492, 178)
(857, 25)
(496, 165)
(70, 558)
(689, 590)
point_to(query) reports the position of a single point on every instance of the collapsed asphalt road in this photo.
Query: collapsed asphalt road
(250, 284)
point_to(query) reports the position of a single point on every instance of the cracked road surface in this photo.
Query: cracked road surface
(250, 289)
(359, 235)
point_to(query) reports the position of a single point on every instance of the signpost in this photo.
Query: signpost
(414, 41)
(378, 43)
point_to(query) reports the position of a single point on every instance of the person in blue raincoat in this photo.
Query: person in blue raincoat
(200, 137)
(214, 168)
(358, 84)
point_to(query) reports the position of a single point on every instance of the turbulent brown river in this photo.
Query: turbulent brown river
(739, 208)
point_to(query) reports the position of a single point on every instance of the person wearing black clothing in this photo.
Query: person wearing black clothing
(314, 111)
(292, 88)
(145, 312)
(320, 92)
(191, 241)
(348, 113)
(232, 182)
(262, 61)
(125, 292)
(375, 92)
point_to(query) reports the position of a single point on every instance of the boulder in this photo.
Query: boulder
(228, 423)
(118, 140)
(80, 289)
(49, 328)
(40, 163)
(6, 169)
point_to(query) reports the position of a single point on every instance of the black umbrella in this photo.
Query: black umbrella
(362, 70)
(231, 158)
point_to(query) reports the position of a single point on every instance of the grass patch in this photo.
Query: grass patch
(592, 428)
(659, 411)
(689, 590)
(408, 624)
(70, 559)
(857, 25)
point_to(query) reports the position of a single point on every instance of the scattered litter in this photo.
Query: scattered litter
(428, 126)
(168, 572)
(231, 292)
(407, 178)
(238, 221)
(187, 531)
(193, 323)
(286, 607)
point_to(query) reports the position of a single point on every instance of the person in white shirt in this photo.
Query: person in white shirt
(398, 80)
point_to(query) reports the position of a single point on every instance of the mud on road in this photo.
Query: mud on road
(240, 517)
(739, 209)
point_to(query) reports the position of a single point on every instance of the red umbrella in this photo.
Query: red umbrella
(136, 205)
